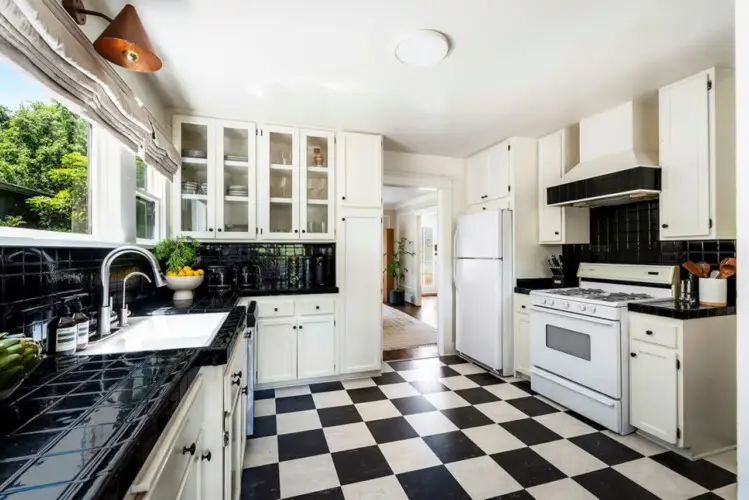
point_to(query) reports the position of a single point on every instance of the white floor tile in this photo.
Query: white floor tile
(565, 425)
(377, 410)
(482, 478)
(395, 391)
(726, 460)
(458, 383)
(358, 383)
(287, 392)
(564, 489)
(348, 437)
(729, 492)
(445, 400)
(418, 374)
(261, 451)
(660, 480)
(428, 363)
(331, 399)
(430, 423)
(512, 380)
(493, 439)
(307, 475)
(506, 391)
(408, 455)
(386, 368)
(265, 407)
(500, 411)
(299, 421)
(467, 368)
(568, 458)
(383, 488)
(642, 445)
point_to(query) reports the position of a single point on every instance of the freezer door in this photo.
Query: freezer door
(479, 310)
(479, 236)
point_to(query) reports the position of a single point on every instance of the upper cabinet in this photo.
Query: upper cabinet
(488, 174)
(235, 180)
(360, 180)
(557, 153)
(697, 157)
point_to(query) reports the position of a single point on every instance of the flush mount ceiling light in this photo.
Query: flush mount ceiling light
(422, 48)
(124, 42)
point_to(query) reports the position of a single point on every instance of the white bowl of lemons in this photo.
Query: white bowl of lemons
(184, 282)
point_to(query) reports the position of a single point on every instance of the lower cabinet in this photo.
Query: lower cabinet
(276, 347)
(191, 487)
(652, 374)
(316, 347)
(522, 334)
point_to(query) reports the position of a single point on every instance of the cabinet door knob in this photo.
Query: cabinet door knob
(556, 233)
(300, 327)
(236, 381)
(343, 197)
(237, 374)
(294, 327)
(317, 307)
(210, 229)
(219, 230)
(244, 390)
(296, 230)
(190, 449)
(275, 309)
(304, 230)
(648, 332)
(664, 226)
(633, 354)
(206, 456)
(522, 307)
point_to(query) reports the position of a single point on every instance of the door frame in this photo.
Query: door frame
(420, 214)
(445, 228)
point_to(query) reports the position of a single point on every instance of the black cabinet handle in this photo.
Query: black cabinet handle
(219, 230)
(296, 230)
(343, 197)
(664, 226)
(317, 307)
(206, 456)
(244, 390)
(522, 307)
(556, 233)
(190, 450)
(649, 332)
(275, 309)
(294, 327)
(237, 374)
(633, 354)
(304, 230)
(210, 229)
(236, 381)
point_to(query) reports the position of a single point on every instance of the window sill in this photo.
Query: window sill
(18, 237)
(146, 243)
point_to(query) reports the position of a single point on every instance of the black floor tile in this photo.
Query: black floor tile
(432, 483)
(485, 379)
(326, 387)
(266, 394)
(477, 395)
(391, 429)
(366, 394)
(261, 482)
(401, 366)
(388, 378)
(524, 385)
(339, 415)
(707, 496)
(331, 494)
(444, 372)
(606, 449)
(452, 360)
(429, 386)
(528, 467)
(360, 464)
(608, 484)
(466, 417)
(413, 404)
(533, 407)
(702, 472)
(301, 445)
(265, 426)
(530, 432)
(515, 495)
(586, 421)
(295, 403)
(452, 446)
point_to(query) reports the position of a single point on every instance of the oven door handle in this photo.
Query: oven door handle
(574, 387)
(556, 312)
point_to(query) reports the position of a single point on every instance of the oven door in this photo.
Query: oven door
(582, 349)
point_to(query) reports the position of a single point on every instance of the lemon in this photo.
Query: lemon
(171, 274)
(187, 268)
(181, 273)
(198, 272)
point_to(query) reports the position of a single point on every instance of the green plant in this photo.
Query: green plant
(177, 253)
(12, 221)
(395, 267)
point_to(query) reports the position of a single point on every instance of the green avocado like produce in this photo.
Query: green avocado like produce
(6, 343)
(10, 377)
(19, 355)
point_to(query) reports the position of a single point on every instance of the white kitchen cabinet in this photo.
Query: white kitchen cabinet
(316, 346)
(522, 334)
(360, 177)
(276, 347)
(488, 175)
(697, 157)
(190, 487)
(317, 185)
(557, 153)
(476, 171)
(682, 381)
(214, 190)
(360, 276)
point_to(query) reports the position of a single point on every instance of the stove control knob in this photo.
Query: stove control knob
(551, 302)
(543, 301)
(592, 309)
(566, 305)
(582, 307)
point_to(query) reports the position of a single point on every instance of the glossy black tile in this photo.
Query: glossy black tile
(366, 394)
(428, 386)
(326, 387)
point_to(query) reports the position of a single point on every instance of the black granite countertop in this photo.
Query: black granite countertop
(527, 285)
(82, 426)
(259, 292)
(672, 309)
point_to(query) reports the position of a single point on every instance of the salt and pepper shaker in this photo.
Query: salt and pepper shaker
(686, 297)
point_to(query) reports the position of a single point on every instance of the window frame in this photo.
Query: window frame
(156, 190)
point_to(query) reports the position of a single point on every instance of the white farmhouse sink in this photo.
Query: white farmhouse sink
(158, 333)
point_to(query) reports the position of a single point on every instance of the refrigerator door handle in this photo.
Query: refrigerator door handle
(455, 256)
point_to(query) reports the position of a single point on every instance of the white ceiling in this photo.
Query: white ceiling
(392, 195)
(515, 68)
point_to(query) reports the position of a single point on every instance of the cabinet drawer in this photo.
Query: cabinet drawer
(522, 303)
(275, 309)
(653, 330)
(322, 306)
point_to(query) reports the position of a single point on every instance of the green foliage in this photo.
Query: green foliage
(395, 267)
(177, 252)
(12, 221)
(43, 146)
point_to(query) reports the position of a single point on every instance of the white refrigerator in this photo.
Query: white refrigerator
(483, 278)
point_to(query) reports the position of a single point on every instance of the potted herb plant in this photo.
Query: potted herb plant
(395, 268)
(180, 258)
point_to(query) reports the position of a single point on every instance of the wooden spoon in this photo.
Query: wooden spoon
(693, 268)
(705, 269)
(727, 268)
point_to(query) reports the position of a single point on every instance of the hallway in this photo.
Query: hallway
(426, 314)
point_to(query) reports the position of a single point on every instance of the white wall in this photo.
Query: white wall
(742, 222)
(388, 218)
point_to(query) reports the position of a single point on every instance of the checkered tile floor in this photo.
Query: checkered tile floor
(443, 428)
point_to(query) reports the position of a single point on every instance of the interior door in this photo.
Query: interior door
(550, 165)
(195, 183)
(236, 182)
(684, 157)
(498, 172)
(279, 183)
(479, 310)
(653, 389)
(317, 166)
(428, 254)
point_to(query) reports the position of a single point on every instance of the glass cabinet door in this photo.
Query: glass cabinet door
(235, 209)
(318, 160)
(282, 163)
(196, 177)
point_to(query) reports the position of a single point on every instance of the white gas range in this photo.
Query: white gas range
(580, 341)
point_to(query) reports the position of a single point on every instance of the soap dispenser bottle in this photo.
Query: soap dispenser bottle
(62, 333)
(82, 324)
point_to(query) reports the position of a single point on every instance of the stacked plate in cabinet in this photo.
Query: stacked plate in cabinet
(189, 187)
(237, 190)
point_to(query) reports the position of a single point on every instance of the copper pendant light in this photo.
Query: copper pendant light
(124, 42)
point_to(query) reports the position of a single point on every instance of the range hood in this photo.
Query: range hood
(618, 160)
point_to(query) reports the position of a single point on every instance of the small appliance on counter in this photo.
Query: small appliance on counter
(220, 278)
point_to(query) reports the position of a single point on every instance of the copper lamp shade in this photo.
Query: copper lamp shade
(126, 44)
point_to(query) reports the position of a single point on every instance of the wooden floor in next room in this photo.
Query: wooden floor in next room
(428, 314)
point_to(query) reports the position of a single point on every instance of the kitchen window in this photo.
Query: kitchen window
(151, 204)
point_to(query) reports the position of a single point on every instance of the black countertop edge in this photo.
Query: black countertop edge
(223, 342)
(672, 309)
(288, 291)
(527, 285)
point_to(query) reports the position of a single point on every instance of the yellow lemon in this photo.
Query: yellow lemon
(187, 268)
(171, 274)
(181, 273)
(199, 272)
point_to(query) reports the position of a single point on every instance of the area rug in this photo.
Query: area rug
(399, 330)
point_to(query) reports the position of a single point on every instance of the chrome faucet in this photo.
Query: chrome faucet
(103, 327)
